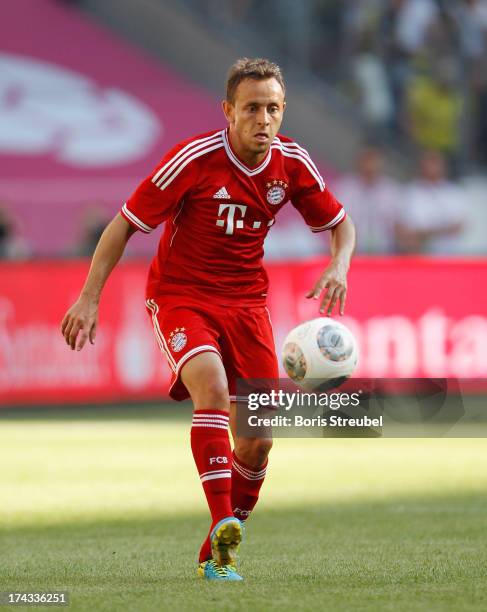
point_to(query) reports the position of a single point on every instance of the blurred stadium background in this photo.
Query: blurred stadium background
(390, 98)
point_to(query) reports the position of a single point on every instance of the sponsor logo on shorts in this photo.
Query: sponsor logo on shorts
(178, 339)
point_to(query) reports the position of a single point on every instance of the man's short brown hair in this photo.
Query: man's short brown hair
(257, 68)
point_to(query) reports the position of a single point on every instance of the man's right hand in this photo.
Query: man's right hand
(81, 317)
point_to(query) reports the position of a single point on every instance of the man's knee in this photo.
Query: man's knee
(212, 393)
(253, 451)
(206, 381)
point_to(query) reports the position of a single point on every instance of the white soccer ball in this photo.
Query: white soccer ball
(321, 353)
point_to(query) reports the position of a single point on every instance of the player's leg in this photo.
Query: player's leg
(188, 339)
(251, 451)
(249, 353)
(205, 379)
(254, 358)
(249, 467)
(253, 345)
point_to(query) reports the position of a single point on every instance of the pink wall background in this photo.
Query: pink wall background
(47, 195)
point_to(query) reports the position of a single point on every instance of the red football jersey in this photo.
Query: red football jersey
(218, 212)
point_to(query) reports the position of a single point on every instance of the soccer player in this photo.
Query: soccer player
(218, 194)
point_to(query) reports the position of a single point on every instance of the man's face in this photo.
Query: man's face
(255, 115)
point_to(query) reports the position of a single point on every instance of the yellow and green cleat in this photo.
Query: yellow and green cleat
(225, 539)
(210, 570)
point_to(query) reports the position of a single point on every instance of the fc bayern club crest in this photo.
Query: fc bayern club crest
(276, 191)
(178, 339)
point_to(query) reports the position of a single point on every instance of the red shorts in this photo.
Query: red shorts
(241, 336)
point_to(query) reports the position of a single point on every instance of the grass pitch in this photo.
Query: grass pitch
(109, 507)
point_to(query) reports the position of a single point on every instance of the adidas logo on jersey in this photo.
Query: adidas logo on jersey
(222, 194)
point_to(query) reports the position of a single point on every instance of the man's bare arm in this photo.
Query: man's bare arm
(334, 278)
(83, 314)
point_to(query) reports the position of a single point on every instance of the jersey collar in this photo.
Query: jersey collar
(234, 159)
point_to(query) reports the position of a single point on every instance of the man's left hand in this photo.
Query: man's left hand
(334, 282)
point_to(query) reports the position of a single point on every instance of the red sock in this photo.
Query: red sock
(213, 457)
(246, 484)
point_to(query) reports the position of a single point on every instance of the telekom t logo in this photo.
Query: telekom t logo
(231, 222)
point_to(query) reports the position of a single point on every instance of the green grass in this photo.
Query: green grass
(109, 507)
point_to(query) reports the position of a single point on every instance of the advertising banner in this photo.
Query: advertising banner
(411, 317)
